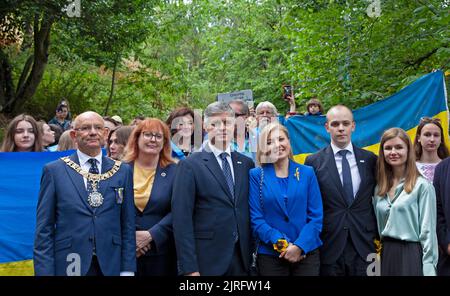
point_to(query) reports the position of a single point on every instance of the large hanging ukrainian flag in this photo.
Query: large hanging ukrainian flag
(20, 176)
(425, 97)
(20, 172)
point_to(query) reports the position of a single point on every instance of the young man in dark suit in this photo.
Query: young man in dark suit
(210, 207)
(347, 181)
(85, 213)
(442, 185)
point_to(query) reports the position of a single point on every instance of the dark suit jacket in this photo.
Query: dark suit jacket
(157, 214)
(442, 185)
(206, 221)
(67, 224)
(339, 218)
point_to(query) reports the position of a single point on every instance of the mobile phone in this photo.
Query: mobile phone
(287, 91)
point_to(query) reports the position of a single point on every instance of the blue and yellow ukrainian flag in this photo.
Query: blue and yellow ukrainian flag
(20, 172)
(425, 97)
(20, 176)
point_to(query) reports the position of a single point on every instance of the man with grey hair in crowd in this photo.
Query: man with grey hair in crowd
(241, 141)
(266, 113)
(210, 208)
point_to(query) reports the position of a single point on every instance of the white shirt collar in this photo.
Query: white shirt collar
(83, 158)
(217, 151)
(336, 149)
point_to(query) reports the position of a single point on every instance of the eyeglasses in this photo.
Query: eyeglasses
(150, 135)
(240, 114)
(88, 128)
(430, 120)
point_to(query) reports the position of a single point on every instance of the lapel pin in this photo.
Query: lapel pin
(297, 174)
(119, 195)
(362, 161)
(163, 174)
(239, 162)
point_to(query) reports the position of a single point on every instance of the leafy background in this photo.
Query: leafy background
(166, 54)
(146, 57)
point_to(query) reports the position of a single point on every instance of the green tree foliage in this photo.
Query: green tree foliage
(331, 49)
(345, 56)
(31, 21)
(101, 32)
(170, 53)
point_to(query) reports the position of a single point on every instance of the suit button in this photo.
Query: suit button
(286, 219)
(91, 238)
(346, 228)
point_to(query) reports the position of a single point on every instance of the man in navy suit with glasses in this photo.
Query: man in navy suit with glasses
(210, 208)
(85, 213)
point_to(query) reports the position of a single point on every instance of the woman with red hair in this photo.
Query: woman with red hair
(149, 154)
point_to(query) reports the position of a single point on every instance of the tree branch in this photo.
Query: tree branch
(113, 82)
(25, 72)
(40, 58)
(429, 6)
(6, 80)
(416, 63)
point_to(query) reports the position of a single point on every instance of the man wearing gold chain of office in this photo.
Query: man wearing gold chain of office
(85, 211)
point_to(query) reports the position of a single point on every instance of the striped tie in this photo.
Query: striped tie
(227, 173)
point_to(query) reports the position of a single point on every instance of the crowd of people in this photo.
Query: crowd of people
(199, 194)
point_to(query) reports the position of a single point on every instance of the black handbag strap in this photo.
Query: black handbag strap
(261, 203)
(254, 266)
(260, 190)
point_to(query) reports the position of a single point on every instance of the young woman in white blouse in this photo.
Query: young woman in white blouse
(429, 146)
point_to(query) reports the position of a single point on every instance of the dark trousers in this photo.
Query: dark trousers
(443, 267)
(274, 266)
(94, 269)
(401, 258)
(237, 267)
(348, 264)
(161, 265)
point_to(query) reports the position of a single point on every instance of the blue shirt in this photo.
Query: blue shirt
(284, 182)
(176, 152)
(246, 151)
(65, 125)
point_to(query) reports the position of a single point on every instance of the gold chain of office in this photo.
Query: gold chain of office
(95, 178)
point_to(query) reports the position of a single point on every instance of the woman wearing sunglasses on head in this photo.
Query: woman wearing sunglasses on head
(429, 146)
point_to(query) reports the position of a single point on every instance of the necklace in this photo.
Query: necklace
(95, 198)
